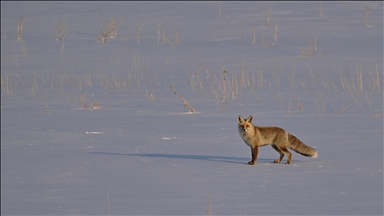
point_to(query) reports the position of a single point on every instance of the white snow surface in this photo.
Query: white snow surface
(144, 153)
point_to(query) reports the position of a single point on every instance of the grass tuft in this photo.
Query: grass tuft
(184, 100)
(109, 31)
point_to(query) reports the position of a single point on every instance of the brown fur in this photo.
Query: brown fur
(278, 138)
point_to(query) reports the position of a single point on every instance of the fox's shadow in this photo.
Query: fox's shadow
(238, 160)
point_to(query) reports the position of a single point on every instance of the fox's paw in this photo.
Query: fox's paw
(276, 161)
(251, 163)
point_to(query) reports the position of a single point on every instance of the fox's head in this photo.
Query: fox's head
(245, 125)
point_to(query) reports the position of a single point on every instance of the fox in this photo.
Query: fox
(278, 138)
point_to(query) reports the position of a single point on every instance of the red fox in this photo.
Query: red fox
(281, 140)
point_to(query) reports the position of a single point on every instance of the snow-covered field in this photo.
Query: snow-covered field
(312, 68)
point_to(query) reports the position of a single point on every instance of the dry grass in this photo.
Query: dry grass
(224, 91)
(161, 35)
(309, 50)
(289, 107)
(354, 85)
(139, 27)
(254, 35)
(184, 100)
(62, 34)
(62, 31)
(265, 42)
(268, 18)
(209, 209)
(20, 25)
(84, 105)
(375, 82)
(275, 34)
(8, 85)
(367, 9)
(321, 10)
(260, 79)
(108, 31)
(225, 85)
(159, 32)
(299, 106)
(5, 83)
(96, 105)
(35, 85)
(195, 79)
(92, 105)
(378, 115)
(341, 109)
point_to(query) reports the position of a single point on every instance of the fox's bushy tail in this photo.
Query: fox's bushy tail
(296, 145)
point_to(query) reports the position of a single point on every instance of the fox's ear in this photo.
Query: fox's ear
(241, 119)
(249, 119)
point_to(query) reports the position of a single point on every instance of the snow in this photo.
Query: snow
(144, 153)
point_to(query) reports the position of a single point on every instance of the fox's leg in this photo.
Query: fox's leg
(280, 152)
(288, 154)
(254, 152)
